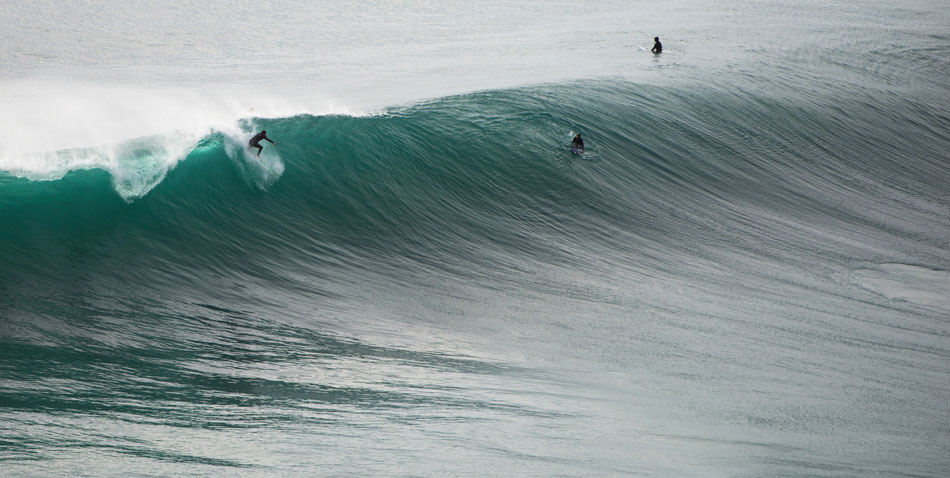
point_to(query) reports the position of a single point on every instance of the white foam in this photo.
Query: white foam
(41, 116)
(261, 171)
(137, 134)
(909, 283)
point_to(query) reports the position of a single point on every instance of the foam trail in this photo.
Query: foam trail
(915, 284)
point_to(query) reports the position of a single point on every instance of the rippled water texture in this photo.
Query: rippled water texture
(745, 274)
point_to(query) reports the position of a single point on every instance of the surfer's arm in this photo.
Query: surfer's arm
(271, 142)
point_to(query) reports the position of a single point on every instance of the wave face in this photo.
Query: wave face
(754, 269)
(477, 177)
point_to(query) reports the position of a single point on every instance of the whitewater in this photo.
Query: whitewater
(747, 273)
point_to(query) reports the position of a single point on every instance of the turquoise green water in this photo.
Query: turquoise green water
(746, 274)
(437, 286)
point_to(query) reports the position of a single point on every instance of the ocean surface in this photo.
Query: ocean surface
(747, 273)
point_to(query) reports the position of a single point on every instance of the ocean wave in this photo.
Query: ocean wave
(487, 177)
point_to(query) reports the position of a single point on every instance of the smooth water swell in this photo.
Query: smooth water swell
(445, 287)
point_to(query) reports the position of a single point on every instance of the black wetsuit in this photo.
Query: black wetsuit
(577, 143)
(657, 47)
(255, 142)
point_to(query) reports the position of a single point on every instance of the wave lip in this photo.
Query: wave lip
(136, 166)
(135, 134)
(139, 165)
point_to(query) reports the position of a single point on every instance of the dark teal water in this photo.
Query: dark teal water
(444, 289)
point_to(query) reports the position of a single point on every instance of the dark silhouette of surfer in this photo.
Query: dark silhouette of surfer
(577, 144)
(255, 142)
(657, 46)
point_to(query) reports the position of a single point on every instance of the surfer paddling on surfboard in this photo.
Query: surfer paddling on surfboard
(255, 142)
(577, 144)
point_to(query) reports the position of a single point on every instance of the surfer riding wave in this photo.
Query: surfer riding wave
(255, 142)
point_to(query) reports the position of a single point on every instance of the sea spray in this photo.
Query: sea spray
(259, 170)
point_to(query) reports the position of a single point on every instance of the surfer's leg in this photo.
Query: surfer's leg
(259, 149)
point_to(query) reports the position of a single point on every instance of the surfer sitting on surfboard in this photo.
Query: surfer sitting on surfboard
(657, 46)
(577, 144)
(255, 142)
